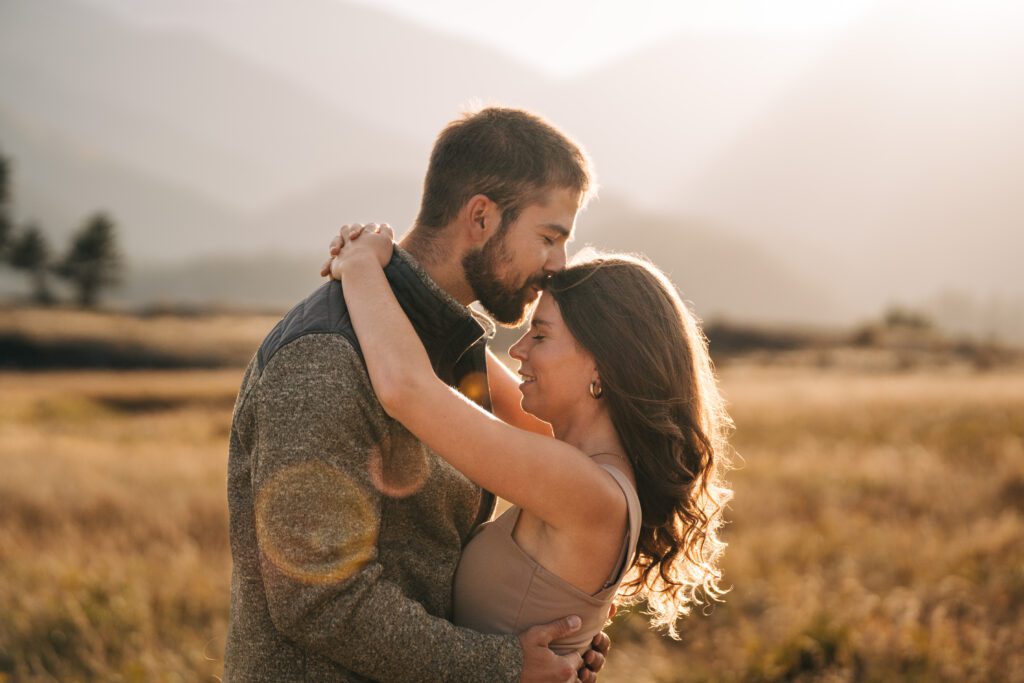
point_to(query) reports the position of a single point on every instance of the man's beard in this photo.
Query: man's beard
(507, 303)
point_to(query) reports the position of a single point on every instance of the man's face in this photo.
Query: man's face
(509, 271)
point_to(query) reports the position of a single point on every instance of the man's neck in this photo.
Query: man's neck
(445, 269)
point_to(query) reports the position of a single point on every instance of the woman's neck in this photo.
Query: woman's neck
(591, 434)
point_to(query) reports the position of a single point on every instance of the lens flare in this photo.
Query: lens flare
(315, 524)
(400, 468)
(474, 387)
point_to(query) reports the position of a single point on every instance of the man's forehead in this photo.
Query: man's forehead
(561, 199)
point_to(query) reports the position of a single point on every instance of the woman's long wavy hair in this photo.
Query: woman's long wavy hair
(661, 391)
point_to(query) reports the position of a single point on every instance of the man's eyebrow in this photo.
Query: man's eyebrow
(559, 228)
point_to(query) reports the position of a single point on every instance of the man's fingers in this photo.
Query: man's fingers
(586, 675)
(545, 633)
(386, 230)
(575, 661)
(594, 660)
(602, 643)
(535, 642)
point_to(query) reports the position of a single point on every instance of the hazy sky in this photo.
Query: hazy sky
(565, 37)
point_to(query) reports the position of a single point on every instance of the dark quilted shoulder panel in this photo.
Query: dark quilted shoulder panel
(322, 312)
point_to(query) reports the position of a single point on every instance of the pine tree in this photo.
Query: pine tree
(93, 261)
(6, 226)
(29, 251)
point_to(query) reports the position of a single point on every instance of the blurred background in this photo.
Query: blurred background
(835, 186)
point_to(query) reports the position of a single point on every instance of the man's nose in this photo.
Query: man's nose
(556, 260)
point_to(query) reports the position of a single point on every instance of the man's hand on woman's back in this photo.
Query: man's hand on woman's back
(542, 665)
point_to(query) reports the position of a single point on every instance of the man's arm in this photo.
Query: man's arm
(318, 516)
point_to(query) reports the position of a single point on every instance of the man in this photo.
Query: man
(345, 529)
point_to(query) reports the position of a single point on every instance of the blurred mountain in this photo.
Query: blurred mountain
(262, 281)
(777, 178)
(304, 224)
(652, 121)
(894, 171)
(721, 276)
(179, 107)
(58, 181)
(374, 65)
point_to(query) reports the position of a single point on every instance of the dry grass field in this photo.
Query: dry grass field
(75, 339)
(877, 532)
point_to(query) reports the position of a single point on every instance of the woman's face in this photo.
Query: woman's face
(555, 369)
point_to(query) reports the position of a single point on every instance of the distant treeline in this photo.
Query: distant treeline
(22, 352)
(908, 339)
(90, 264)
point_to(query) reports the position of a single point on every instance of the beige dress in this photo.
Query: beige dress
(501, 589)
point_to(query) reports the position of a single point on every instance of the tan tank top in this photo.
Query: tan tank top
(501, 589)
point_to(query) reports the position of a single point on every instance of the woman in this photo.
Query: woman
(625, 502)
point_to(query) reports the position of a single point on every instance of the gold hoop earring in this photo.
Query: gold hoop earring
(595, 389)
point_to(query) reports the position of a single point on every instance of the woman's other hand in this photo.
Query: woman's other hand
(377, 238)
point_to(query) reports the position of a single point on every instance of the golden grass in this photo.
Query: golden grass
(876, 532)
(876, 535)
(114, 561)
(230, 337)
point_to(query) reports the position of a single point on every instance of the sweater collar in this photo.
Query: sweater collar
(446, 327)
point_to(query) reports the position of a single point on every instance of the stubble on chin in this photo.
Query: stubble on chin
(507, 304)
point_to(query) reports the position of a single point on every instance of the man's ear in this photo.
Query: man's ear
(481, 218)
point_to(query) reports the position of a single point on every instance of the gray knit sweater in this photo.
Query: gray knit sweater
(345, 529)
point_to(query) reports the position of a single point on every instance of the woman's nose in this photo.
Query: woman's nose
(517, 351)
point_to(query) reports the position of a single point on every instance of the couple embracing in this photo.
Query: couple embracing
(374, 428)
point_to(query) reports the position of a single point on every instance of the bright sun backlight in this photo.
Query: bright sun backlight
(566, 37)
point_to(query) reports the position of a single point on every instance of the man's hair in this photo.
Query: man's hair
(509, 155)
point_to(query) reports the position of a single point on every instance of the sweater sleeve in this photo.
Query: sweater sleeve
(318, 516)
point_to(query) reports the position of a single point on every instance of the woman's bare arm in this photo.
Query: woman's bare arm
(553, 480)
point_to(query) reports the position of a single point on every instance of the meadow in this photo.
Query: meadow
(877, 532)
